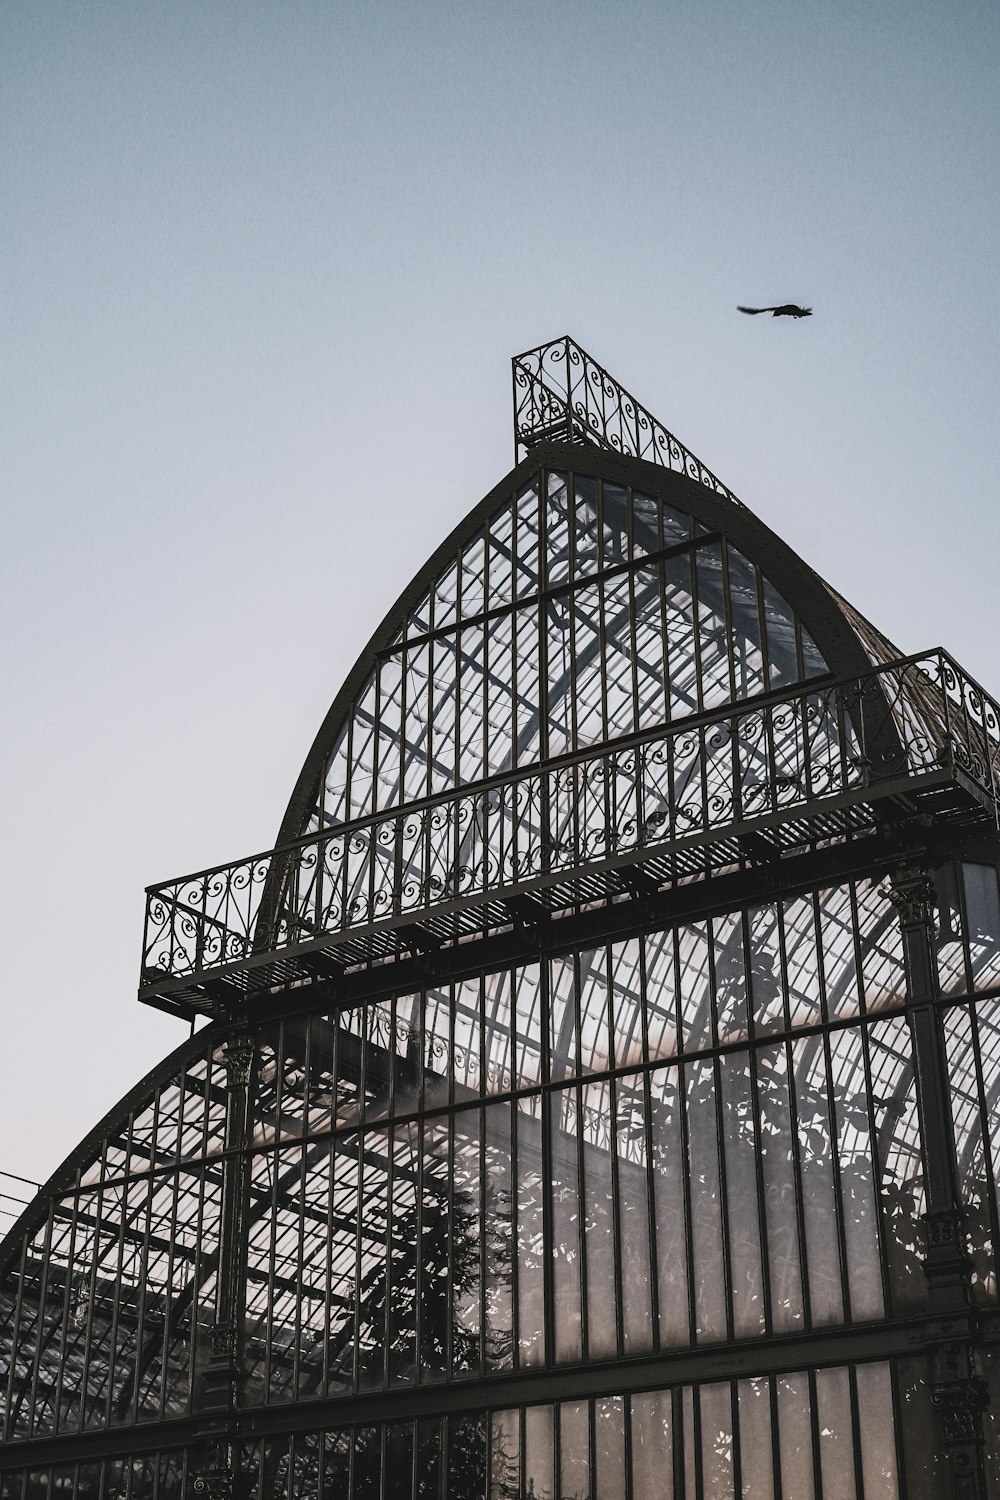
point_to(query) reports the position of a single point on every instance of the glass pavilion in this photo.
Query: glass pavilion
(599, 1092)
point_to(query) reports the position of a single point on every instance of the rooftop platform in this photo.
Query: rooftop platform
(754, 781)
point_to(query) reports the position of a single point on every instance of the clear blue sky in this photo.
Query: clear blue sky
(263, 269)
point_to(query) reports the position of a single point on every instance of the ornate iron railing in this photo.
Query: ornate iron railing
(561, 394)
(774, 763)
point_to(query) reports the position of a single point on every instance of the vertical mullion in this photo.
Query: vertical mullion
(984, 1115)
(484, 718)
(449, 1358)
(838, 1195)
(647, 1110)
(765, 658)
(583, 1274)
(196, 1263)
(897, 1433)
(304, 1180)
(727, 1268)
(661, 573)
(629, 579)
(762, 1235)
(598, 591)
(734, 1423)
(682, 1127)
(627, 1430)
(405, 652)
(278, 1046)
(814, 1432)
(116, 1298)
(800, 1214)
(876, 1161)
(373, 802)
(774, 1419)
(348, 805)
(616, 1207)
(970, 984)
(88, 1335)
(328, 1256)
(859, 1476)
(514, 611)
(677, 1434)
(360, 1138)
(545, 1123)
(591, 1406)
(515, 1227)
(727, 618)
(692, 559)
(541, 609)
(274, 1161)
(420, 1174)
(391, 1139)
(556, 1410)
(734, 723)
(699, 1466)
(568, 624)
(483, 1263)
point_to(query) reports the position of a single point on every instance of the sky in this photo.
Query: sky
(263, 269)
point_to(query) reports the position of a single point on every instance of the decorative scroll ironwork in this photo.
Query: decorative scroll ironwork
(775, 760)
(912, 894)
(561, 394)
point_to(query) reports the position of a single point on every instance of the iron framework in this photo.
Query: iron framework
(676, 802)
(598, 1090)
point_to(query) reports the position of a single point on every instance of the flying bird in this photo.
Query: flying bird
(786, 310)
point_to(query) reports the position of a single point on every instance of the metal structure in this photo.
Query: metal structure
(597, 1094)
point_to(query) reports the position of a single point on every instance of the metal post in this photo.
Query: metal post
(222, 1379)
(957, 1391)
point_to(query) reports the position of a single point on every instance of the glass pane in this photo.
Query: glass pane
(505, 1455)
(651, 1445)
(609, 1446)
(836, 1437)
(756, 1459)
(877, 1428)
(574, 1448)
(538, 1450)
(564, 1148)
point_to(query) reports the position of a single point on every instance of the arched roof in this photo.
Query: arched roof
(642, 546)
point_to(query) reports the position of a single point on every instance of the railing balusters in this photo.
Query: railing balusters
(729, 767)
(561, 393)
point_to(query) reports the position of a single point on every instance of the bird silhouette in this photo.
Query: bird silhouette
(786, 310)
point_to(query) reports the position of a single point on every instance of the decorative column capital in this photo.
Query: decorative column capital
(911, 891)
(217, 1478)
(225, 1341)
(237, 1058)
(961, 1405)
(945, 1229)
(217, 1484)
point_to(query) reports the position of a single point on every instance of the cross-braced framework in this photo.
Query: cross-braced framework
(597, 1094)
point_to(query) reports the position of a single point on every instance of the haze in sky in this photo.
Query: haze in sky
(264, 269)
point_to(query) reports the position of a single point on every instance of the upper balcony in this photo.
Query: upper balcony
(561, 394)
(782, 772)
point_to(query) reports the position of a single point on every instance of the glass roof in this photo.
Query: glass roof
(579, 613)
